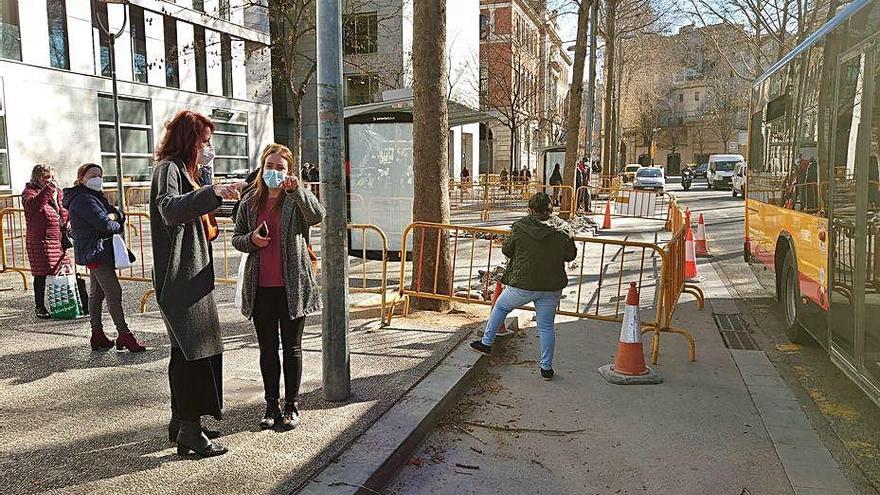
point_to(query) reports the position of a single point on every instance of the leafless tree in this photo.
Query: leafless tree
(510, 86)
(769, 28)
(725, 108)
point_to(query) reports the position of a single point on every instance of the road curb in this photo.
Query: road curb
(373, 459)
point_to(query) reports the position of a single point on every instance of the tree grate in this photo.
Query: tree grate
(734, 331)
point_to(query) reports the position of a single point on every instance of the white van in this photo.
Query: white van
(720, 172)
(739, 180)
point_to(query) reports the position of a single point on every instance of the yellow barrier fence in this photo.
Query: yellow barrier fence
(601, 275)
(13, 247)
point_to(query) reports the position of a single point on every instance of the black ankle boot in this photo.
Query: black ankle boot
(190, 438)
(174, 427)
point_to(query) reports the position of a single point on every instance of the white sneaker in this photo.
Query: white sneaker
(504, 333)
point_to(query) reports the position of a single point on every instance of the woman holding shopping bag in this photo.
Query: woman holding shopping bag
(278, 282)
(93, 222)
(46, 221)
(183, 276)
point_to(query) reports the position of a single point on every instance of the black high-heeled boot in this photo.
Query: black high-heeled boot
(190, 438)
(174, 427)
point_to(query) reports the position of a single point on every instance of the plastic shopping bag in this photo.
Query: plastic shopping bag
(122, 257)
(63, 296)
(239, 280)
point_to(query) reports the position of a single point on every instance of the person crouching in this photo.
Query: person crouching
(538, 247)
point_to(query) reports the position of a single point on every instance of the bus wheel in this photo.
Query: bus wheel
(789, 297)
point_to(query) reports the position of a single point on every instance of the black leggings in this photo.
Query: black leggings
(40, 291)
(270, 311)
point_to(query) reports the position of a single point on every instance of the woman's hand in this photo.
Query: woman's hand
(290, 183)
(229, 191)
(259, 240)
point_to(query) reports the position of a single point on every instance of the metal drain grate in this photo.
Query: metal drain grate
(735, 331)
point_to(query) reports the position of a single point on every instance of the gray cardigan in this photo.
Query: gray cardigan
(183, 269)
(301, 210)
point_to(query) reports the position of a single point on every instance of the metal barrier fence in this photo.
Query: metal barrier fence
(13, 248)
(633, 203)
(602, 272)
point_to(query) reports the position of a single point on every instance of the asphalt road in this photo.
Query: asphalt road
(847, 421)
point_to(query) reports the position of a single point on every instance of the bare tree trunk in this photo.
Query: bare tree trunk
(295, 132)
(430, 141)
(608, 151)
(512, 152)
(575, 103)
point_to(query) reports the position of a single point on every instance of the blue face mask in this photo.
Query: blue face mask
(273, 178)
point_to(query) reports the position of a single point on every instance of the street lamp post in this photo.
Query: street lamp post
(120, 193)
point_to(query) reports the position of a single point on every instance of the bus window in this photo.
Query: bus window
(846, 251)
(872, 234)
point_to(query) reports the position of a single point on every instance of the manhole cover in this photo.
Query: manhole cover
(734, 331)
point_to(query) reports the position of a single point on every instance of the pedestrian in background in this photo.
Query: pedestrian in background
(314, 174)
(279, 287)
(183, 277)
(46, 224)
(556, 181)
(503, 178)
(93, 222)
(538, 247)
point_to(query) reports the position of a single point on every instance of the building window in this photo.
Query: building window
(201, 59)
(484, 26)
(10, 30)
(99, 18)
(138, 44)
(681, 97)
(172, 59)
(226, 63)
(58, 48)
(697, 96)
(199, 5)
(4, 151)
(223, 11)
(360, 89)
(359, 33)
(136, 135)
(231, 144)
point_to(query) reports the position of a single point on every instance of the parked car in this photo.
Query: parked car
(650, 178)
(738, 182)
(720, 172)
(700, 171)
(629, 173)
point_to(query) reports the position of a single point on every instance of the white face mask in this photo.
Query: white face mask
(95, 183)
(207, 155)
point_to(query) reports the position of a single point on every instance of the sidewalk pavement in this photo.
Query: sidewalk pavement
(73, 421)
(699, 432)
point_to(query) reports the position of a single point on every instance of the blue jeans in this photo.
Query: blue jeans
(545, 308)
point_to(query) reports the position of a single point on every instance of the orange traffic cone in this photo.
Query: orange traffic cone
(702, 248)
(690, 256)
(606, 224)
(502, 329)
(629, 363)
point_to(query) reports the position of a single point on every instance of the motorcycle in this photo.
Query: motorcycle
(687, 178)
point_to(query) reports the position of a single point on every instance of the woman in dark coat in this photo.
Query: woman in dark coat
(183, 277)
(93, 222)
(279, 287)
(44, 217)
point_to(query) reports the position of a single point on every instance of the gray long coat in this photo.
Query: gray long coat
(301, 210)
(183, 270)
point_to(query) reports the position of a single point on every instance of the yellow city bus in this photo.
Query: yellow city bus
(812, 209)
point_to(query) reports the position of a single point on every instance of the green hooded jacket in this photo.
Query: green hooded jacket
(538, 250)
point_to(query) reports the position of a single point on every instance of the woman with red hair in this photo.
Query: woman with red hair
(183, 277)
